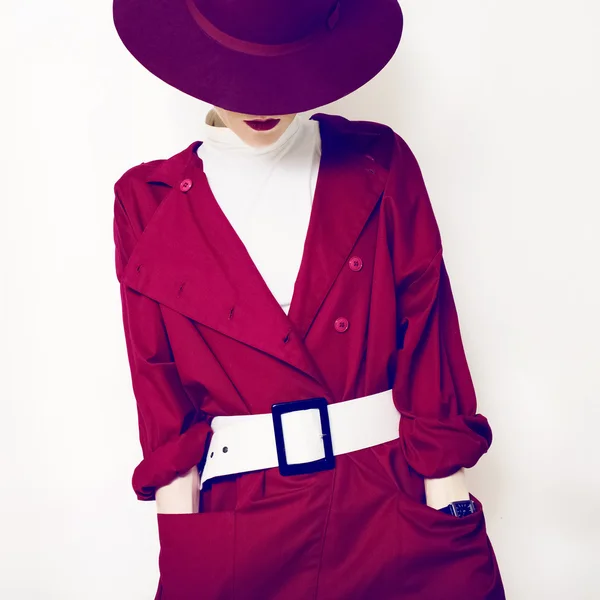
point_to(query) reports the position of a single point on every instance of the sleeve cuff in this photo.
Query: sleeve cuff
(173, 459)
(437, 448)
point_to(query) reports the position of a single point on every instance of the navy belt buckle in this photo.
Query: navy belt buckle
(322, 464)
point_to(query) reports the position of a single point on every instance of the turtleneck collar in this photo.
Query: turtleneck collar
(223, 139)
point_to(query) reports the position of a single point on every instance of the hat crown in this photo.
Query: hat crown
(261, 57)
(267, 21)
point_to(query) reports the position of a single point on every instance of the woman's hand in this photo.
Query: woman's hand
(182, 495)
(441, 492)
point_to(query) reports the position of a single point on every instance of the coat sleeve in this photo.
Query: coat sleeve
(440, 430)
(172, 431)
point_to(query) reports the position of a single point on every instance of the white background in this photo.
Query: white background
(499, 101)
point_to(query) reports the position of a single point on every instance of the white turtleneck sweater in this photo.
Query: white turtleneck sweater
(266, 194)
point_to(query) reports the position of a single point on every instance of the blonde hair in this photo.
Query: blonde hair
(212, 118)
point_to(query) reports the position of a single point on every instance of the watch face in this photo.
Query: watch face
(464, 508)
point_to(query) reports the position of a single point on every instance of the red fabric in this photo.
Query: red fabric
(206, 337)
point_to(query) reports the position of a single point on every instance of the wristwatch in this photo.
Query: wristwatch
(459, 509)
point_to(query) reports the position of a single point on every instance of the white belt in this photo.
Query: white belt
(298, 440)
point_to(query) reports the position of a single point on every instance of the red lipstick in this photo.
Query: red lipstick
(262, 124)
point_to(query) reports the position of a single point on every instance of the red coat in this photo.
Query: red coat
(205, 336)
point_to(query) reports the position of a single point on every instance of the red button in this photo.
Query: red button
(185, 185)
(341, 324)
(355, 263)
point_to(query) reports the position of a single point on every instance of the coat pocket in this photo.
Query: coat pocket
(196, 555)
(449, 557)
(430, 518)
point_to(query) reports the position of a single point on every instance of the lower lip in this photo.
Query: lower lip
(262, 125)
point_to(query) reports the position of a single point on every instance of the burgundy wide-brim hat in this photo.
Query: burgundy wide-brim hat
(261, 57)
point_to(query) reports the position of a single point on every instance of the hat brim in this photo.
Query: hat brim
(165, 39)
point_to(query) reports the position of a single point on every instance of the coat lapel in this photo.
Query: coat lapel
(349, 185)
(190, 259)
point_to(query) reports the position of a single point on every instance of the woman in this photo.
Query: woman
(305, 407)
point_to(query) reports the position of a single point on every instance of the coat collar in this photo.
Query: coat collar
(179, 259)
